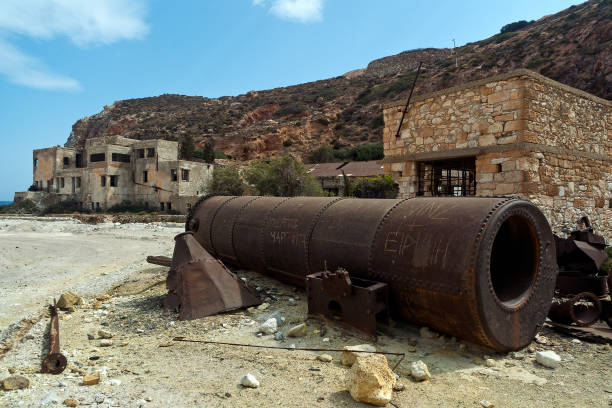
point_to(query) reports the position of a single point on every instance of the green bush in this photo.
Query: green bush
(517, 25)
(282, 177)
(63, 207)
(128, 206)
(363, 152)
(323, 154)
(221, 155)
(226, 181)
(26, 206)
(291, 109)
(375, 187)
(607, 266)
(287, 142)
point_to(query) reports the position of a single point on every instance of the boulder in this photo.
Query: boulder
(419, 371)
(15, 382)
(371, 380)
(69, 299)
(348, 357)
(326, 358)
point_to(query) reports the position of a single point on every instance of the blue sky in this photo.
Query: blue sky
(61, 60)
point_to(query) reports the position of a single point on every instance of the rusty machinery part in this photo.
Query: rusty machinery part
(606, 311)
(583, 310)
(201, 285)
(159, 260)
(572, 284)
(354, 302)
(54, 362)
(481, 269)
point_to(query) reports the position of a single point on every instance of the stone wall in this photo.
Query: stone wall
(529, 135)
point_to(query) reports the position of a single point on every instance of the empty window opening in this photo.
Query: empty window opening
(57, 184)
(97, 206)
(145, 176)
(454, 177)
(97, 157)
(79, 161)
(120, 157)
(150, 152)
(62, 182)
(161, 206)
(140, 153)
(103, 181)
(78, 182)
(169, 205)
(185, 174)
(35, 162)
(92, 206)
(114, 181)
(173, 174)
(66, 161)
(73, 184)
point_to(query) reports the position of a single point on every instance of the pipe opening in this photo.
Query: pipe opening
(335, 309)
(514, 260)
(585, 310)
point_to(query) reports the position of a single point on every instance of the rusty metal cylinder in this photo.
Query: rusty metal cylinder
(584, 309)
(54, 362)
(481, 269)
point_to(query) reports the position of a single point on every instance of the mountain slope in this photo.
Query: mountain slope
(573, 46)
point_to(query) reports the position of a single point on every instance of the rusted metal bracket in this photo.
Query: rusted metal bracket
(54, 362)
(354, 302)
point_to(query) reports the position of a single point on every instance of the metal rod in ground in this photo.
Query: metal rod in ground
(401, 355)
(54, 362)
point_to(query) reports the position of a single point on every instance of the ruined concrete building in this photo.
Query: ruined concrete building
(114, 169)
(518, 133)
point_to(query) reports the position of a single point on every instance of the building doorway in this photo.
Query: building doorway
(447, 178)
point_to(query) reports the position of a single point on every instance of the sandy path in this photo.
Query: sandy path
(40, 259)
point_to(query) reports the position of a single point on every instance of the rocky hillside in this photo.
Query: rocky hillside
(573, 46)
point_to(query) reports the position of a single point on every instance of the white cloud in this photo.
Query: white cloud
(299, 10)
(28, 71)
(85, 23)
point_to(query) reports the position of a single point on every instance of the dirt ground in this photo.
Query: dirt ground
(145, 367)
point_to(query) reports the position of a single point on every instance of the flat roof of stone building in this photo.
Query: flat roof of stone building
(501, 77)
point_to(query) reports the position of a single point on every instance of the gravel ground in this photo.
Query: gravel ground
(144, 367)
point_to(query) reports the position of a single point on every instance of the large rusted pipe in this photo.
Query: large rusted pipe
(54, 362)
(481, 269)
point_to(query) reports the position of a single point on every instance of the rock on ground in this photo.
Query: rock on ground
(250, 381)
(349, 357)
(68, 299)
(297, 331)
(371, 380)
(419, 371)
(15, 382)
(548, 358)
(326, 358)
(270, 326)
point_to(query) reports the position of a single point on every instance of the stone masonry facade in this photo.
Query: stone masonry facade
(113, 169)
(526, 134)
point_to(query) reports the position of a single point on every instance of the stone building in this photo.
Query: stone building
(518, 133)
(114, 169)
(330, 174)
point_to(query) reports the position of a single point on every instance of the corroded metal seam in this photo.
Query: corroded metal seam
(212, 220)
(313, 225)
(232, 229)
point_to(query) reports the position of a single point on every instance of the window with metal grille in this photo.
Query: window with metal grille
(120, 157)
(97, 157)
(452, 177)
